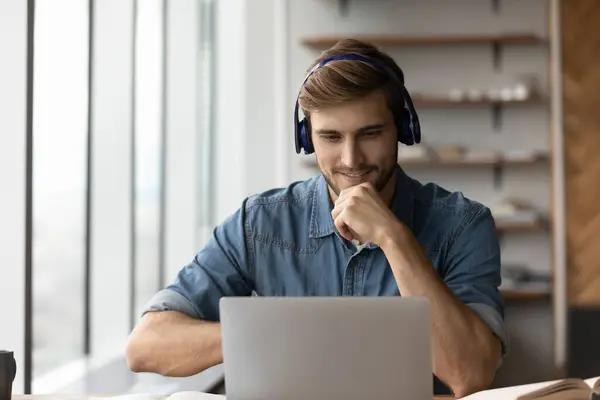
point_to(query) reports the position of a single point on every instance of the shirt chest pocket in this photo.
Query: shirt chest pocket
(286, 269)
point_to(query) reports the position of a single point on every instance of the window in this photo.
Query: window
(148, 145)
(59, 181)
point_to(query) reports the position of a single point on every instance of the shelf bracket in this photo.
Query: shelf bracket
(497, 109)
(496, 6)
(497, 53)
(343, 6)
(498, 176)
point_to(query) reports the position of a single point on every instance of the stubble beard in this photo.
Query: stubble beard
(383, 176)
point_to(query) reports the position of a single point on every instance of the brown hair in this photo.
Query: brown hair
(344, 80)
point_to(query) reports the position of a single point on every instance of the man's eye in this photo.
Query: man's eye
(372, 133)
(331, 138)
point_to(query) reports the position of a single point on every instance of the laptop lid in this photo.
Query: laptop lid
(326, 348)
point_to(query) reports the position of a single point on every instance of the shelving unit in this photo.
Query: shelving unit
(429, 40)
(495, 104)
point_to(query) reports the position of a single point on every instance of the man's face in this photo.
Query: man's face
(355, 142)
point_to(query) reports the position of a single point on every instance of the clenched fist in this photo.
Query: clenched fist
(360, 213)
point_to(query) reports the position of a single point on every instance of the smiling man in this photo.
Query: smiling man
(360, 228)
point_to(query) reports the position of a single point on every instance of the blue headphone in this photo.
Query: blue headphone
(407, 122)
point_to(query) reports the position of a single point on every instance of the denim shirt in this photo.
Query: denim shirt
(283, 242)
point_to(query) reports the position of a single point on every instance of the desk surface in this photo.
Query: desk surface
(86, 397)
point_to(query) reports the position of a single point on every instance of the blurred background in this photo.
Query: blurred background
(130, 128)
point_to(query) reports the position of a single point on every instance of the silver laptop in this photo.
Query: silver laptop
(292, 348)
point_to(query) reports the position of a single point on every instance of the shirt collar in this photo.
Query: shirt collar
(321, 223)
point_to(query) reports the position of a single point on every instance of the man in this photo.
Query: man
(362, 227)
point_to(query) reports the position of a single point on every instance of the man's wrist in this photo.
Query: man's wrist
(393, 237)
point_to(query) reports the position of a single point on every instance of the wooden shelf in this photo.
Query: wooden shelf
(519, 226)
(435, 163)
(442, 102)
(524, 295)
(491, 162)
(397, 40)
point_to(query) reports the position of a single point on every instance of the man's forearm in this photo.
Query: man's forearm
(172, 344)
(465, 353)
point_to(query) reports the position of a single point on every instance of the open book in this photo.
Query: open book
(174, 396)
(565, 389)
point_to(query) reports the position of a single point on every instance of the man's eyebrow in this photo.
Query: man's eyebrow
(359, 130)
(370, 127)
(326, 131)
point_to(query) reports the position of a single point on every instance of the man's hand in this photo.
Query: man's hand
(361, 214)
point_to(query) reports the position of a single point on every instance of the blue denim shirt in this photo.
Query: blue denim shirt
(283, 243)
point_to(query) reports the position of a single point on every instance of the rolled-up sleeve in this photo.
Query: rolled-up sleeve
(221, 268)
(473, 270)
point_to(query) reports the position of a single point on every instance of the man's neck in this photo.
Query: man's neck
(387, 193)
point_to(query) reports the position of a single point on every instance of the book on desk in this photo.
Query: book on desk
(563, 389)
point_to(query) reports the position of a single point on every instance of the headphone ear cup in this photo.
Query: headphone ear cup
(405, 134)
(305, 137)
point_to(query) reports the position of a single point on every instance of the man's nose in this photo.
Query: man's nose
(352, 155)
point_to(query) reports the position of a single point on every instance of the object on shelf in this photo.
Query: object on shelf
(519, 278)
(522, 155)
(526, 86)
(450, 152)
(481, 156)
(474, 95)
(525, 89)
(520, 274)
(456, 95)
(414, 153)
(515, 211)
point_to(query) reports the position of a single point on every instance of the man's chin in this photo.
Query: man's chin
(346, 183)
(341, 182)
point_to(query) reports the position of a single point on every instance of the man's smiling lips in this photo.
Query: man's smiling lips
(355, 175)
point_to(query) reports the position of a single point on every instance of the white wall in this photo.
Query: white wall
(250, 130)
(111, 178)
(182, 135)
(440, 69)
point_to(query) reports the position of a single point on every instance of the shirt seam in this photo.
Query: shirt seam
(472, 212)
(249, 245)
(257, 200)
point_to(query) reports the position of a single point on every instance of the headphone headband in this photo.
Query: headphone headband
(409, 130)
